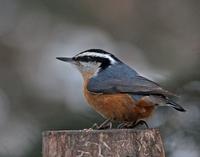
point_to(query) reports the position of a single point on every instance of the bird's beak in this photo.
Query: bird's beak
(65, 59)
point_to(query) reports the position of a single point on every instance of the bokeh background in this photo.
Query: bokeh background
(160, 39)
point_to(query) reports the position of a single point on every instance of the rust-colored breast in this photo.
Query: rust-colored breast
(119, 107)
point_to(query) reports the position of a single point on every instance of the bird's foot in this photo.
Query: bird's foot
(107, 124)
(126, 125)
(131, 125)
(142, 122)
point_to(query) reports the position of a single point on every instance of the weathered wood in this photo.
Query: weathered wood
(103, 143)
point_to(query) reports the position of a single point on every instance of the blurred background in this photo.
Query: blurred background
(160, 39)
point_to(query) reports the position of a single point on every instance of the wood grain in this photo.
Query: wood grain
(103, 143)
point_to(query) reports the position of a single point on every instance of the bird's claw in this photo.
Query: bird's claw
(131, 125)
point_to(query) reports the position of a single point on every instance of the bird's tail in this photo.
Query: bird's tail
(165, 101)
(176, 106)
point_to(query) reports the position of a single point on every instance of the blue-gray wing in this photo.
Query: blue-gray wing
(132, 84)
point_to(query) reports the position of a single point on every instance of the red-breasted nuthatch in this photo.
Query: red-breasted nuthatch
(117, 91)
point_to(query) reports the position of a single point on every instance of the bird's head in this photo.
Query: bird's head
(91, 61)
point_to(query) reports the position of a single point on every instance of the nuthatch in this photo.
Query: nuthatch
(116, 91)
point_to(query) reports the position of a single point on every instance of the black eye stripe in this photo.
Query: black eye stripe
(91, 59)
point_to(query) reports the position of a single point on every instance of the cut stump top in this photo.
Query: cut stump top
(103, 143)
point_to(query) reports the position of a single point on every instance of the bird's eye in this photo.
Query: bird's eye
(74, 58)
(78, 63)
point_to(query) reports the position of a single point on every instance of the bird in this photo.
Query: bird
(118, 92)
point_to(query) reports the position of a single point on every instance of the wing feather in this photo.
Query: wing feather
(133, 85)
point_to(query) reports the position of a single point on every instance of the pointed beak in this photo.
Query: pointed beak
(65, 59)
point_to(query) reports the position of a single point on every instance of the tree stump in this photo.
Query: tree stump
(103, 143)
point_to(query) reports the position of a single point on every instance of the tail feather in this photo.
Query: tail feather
(175, 106)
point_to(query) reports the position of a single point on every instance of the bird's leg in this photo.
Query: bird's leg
(121, 125)
(94, 126)
(107, 124)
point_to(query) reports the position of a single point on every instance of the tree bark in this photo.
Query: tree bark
(103, 143)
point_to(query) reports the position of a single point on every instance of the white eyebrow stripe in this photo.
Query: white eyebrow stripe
(112, 60)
